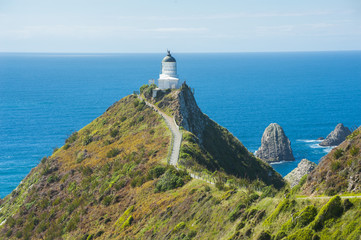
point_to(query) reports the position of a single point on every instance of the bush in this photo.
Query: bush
(107, 200)
(143, 87)
(332, 209)
(179, 227)
(81, 156)
(72, 138)
(335, 165)
(264, 235)
(66, 146)
(285, 205)
(301, 218)
(302, 234)
(137, 181)
(113, 152)
(43, 160)
(87, 139)
(171, 179)
(156, 172)
(338, 153)
(354, 150)
(114, 133)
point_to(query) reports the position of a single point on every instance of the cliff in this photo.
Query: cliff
(207, 145)
(275, 146)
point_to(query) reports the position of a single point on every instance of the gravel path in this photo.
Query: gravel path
(176, 134)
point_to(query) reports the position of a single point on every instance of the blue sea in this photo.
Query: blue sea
(45, 97)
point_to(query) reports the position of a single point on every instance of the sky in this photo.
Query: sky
(142, 26)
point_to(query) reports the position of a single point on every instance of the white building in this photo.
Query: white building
(168, 78)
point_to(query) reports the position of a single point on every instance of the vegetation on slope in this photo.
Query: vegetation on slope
(206, 146)
(110, 180)
(339, 171)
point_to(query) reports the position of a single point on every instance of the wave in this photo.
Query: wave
(275, 163)
(315, 145)
(309, 140)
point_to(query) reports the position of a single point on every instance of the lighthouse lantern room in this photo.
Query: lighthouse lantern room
(168, 77)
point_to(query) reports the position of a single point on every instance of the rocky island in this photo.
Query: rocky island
(275, 146)
(337, 136)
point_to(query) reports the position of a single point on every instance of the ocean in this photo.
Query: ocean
(45, 97)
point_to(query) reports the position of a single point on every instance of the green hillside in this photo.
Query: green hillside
(111, 180)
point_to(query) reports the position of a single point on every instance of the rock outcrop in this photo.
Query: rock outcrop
(337, 136)
(338, 171)
(275, 145)
(303, 168)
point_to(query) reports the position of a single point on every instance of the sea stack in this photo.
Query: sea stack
(275, 146)
(337, 136)
(303, 168)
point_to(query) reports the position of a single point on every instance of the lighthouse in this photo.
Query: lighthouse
(168, 77)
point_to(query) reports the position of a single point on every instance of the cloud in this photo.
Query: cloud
(225, 16)
(176, 29)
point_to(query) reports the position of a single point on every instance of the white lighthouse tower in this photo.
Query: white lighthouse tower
(168, 78)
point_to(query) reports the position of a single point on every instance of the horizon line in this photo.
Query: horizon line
(181, 52)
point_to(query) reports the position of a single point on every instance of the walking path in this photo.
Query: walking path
(176, 134)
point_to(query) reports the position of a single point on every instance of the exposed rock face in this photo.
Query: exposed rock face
(303, 168)
(189, 115)
(337, 136)
(275, 145)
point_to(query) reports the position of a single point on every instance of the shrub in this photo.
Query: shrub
(338, 153)
(280, 235)
(140, 119)
(171, 179)
(301, 218)
(179, 227)
(43, 160)
(143, 87)
(354, 150)
(107, 200)
(72, 138)
(66, 146)
(128, 222)
(113, 152)
(285, 205)
(53, 178)
(332, 209)
(87, 139)
(353, 134)
(8, 233)
(55, 149)
(302, 234)
(123, 118)
(335, 165)
(114, 133)
(81, 156)
(156, 172)
(234, 215)
(136, 102)
(19, 234)
(264, 235)
(137, 181)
